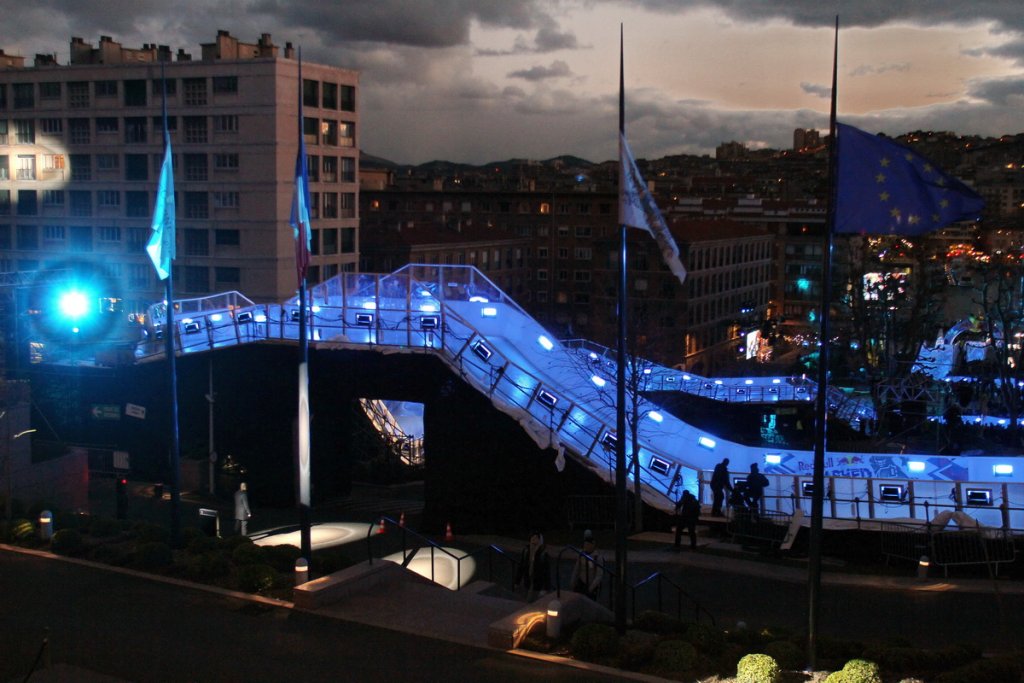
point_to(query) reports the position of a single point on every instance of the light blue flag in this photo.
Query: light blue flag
(161, 242)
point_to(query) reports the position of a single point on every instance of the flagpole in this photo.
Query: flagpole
(621, 510)
(302, 449)
(169, 330)
(821, 404)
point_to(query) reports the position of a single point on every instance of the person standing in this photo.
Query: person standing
(687, 514)
(719, 485)
(588, 572)
(756, 483)
(534, 570)
(242, 512)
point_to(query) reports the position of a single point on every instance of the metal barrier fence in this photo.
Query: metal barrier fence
(944, 548)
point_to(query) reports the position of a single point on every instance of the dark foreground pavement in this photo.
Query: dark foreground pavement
(136, 629)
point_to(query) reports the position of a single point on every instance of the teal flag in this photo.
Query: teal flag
(161, 242)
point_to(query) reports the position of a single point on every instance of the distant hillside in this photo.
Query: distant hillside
(444, 167)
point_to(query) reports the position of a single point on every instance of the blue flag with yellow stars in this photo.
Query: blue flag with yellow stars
(887, 189)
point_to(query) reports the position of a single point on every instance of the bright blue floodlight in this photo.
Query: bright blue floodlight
(73, 305)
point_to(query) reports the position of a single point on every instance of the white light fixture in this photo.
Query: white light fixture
(260, 318)
(772, 458)
(599, 381)
(1002, 470)
(687, 378)
(719, 382)
(656, 416)
(749, 381)
(315, 309)
(216, 317)
(915, 466)
(489, 312)
(428, 308)
(776, 381)
(706, 442)
(647, 371)
(545, 343)
(478, 300)
(370, 305)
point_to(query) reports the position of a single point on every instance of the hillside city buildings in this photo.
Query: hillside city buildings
(81, 146)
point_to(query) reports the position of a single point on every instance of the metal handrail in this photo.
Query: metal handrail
(680, 594)
(590, 558)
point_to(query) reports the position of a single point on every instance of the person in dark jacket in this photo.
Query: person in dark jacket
(719, 485)
(534, 572)
(687, 514)
(756, 483)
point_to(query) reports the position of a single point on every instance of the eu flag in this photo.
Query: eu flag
(300, 212)
(887, 189)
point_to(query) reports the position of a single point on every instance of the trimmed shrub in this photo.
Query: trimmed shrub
(207, 566)
(593, 641)
(658, 622)
(256, 578)
(636, 649)
(856, 671)
(789, 656)
(983, 671)
(282, 557)
(706, 639)
(248, 553)
(199, 544)
(151, 533)
(116, 554)
(152, 555)
(104, 527)
(675, 656)
(66, 542)
(758, 668)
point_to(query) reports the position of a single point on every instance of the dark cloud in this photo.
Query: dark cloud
(875, 70)
(824, 91)
(549, 39)
(558, 69)
(1004, 91)
(1013, 49)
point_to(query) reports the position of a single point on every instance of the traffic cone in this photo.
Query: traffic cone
(401, 520)
(380, 527)
(448, 535)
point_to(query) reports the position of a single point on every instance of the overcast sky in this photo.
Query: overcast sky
(485, 80)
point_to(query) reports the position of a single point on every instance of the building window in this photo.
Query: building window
(136, 204)
(28, 237)
(225, 85)
(583, 231)
(225, 161)
(108, 233)
(108, 198)
(105, 88)
(225, 123)
(583, 253)
(348, 240)
(108, 162)
(563, 252)
(24, 95)
(197, 242)
(347, 132)
(107, 124)
(139, 275)
(51, 127)
(225, 199)
(80, 238)
(135, 93)
(26, 167)
(227, 276)
(197, 279)
(172, 123)
(329, 239)
(53, 197)
(330, 169)
(195, 91)
(195, 129)
(5, 202)
(136, 167)
(79, 131)
(50, 90)
(310, 93)
(330, 208)
(135, 129)
(25, 131)
(313, 167)
(54, 233)
(78, 95)
(348, 169)
(223, 237)
(159, 84)
(197, 205)
(310, 130)
(329, 132)
(330, 96)
(581, 276)
(348, 98)
(542, 274)
(196, 167)
(348, 205)
(81, 166)
(81, 202)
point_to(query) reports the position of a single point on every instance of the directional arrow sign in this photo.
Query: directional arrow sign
(106, 411)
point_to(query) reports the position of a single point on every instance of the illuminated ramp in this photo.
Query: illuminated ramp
(562, 398)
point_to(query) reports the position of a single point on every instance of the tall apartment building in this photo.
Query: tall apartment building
(81, 147)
